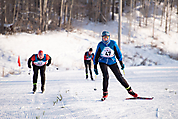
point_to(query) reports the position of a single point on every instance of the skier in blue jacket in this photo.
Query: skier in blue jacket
(106, 53)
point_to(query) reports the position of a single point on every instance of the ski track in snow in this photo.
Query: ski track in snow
(79, 100)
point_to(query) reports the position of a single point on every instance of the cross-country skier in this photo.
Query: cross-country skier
(106, 53)
(39, 62)
(87, 61)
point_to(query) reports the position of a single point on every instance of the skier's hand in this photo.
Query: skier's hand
(47, 64)
(95, 69)
(122, 66)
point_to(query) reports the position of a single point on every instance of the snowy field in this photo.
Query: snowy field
(80, 101)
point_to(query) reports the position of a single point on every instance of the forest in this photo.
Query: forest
(37, 16)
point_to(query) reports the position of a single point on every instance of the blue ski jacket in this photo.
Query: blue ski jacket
(107, 53)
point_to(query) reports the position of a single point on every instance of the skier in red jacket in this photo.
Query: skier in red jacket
(39, 62)
(87, 61)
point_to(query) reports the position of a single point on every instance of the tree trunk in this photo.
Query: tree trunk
(66, 12)
(130, 20)
(172, 2)
(61, 15)
(140, 16)
(147, 11)
(2, 16)
(163, 12)
(108, 4)
(45, 15)
(90, 14)
(113, 3)
(167, 17)
(70, 16)
(14, 14)
(41, 15)
(154, 15)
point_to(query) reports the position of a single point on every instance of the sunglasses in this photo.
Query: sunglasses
(105, 36)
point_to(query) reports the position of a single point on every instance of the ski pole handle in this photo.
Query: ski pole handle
(123, 71)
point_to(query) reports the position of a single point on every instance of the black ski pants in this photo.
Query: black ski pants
(42, 73)
(88, 64)
(115, 69)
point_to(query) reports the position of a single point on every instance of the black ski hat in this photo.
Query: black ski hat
(90, 49)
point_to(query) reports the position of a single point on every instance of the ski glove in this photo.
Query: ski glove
(122, 65)
(95, 69)
(29, 66)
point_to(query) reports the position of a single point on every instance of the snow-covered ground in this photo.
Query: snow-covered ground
(80, 101)
(149, 70)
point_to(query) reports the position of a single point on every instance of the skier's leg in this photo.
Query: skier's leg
(35, 77)
(42, 73)
(86, 68)
(90, 70)
(115, 69)
(121, 79)
(104, 71)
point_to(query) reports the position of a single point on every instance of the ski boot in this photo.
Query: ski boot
(86, 76)
(105, 95)
(42, 88)
(34, 88)
(130, 91)
(92, 79)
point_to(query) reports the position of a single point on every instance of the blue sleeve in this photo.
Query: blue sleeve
(117, 52)
(97, 55)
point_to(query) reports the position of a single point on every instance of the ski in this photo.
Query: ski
(140, 98)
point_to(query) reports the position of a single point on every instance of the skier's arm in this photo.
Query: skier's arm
(49, 60)
(29, 63)
(86, 55)
(118, 52)
(92, 56)
(119, 55)
(95, 60)
(97, 55)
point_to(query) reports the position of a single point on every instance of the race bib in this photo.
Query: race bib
(107, 52)
(39, 63)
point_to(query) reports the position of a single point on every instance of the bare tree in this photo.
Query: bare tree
(167, 17)
(130, 20)
(70, 16)
(154, 15)
(61, 14)
(172, 2)
(163, 12)
(113, 2)
(147, 11)
(2, 16)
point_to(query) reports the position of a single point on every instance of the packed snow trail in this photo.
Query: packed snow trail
(79, 100)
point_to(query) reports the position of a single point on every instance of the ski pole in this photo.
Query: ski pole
(123, 71)
(95, 83)
(29, 71)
